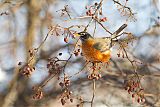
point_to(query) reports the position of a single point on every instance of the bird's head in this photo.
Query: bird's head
(84, 36)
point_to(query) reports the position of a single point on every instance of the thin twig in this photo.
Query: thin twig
(102, 26)
(79, 71)
(48, 79)
(69, 58)
(129, 9)
(94, 89)
(135, 69)
(40, 45)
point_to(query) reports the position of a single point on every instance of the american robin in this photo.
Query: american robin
(98, 49)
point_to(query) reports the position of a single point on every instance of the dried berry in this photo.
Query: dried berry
(63, 101)
(104, 19)
(66, 39)
(132, 85)
(61, 84)
(71, 100)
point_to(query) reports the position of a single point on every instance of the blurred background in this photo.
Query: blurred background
(24, 24)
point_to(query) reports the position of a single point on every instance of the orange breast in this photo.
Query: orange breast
(93, 54)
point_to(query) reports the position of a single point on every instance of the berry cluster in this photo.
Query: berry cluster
(133, 86)
(32, 52)
(124, 9)
(38, 93)
(92, 9)
(94, 76)
(68, 33)
(66, 96)
(66, 83)
(95, 11)
(77, 52)
(95, 71)
(26, 69)
(81, 102)
(65, 11)
(53, 66)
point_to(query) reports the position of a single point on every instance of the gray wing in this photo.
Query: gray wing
(102, 44)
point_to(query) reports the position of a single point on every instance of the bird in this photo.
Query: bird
(98, 49)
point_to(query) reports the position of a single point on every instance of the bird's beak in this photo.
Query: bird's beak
(77, 34)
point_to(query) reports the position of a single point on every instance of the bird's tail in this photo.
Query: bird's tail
(115, 34)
